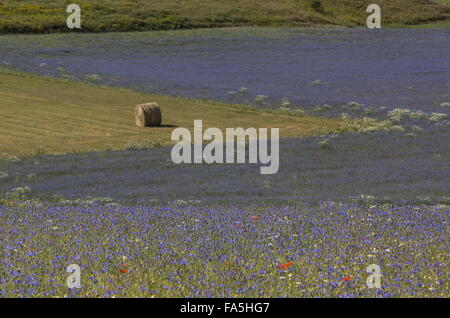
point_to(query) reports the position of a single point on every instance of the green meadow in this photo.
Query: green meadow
(41, 16)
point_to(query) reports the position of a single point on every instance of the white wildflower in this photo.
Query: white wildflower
(398, 114)
(318, 109)
(261, 98)
(397, 128)
(324, 143)
(243, 90)
(437, 116)
(300, 111)
(285, 103)
(418, 115)
(93, 77)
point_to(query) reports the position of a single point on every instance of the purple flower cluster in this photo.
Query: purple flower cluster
(389, 166)
(225, 251)
(391, 68)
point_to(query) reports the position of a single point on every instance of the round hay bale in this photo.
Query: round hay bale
(148, 115)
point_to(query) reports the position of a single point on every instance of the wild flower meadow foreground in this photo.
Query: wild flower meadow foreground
(190, 249)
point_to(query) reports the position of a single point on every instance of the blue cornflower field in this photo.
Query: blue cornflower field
(139, 225)
(187, 250)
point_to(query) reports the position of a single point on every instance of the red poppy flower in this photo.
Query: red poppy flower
(254, 218)
(346, 279)
(285, 265)
(124, 268)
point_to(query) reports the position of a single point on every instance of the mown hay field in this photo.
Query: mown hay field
(43, 116)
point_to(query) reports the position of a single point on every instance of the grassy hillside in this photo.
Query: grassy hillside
(37, 16)
(51, 116)
(446, 2)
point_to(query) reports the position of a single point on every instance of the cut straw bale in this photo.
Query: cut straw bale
(148, 115)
